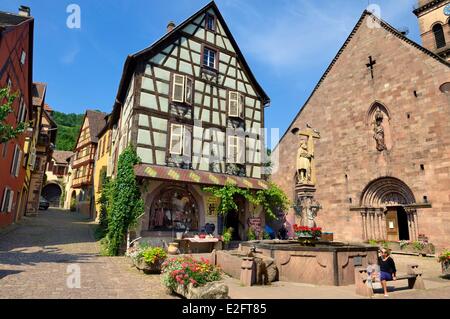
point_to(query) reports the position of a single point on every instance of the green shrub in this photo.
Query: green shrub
(151, 255)
(127, 205)
(227, 235)
(251, 234)
(373, 242)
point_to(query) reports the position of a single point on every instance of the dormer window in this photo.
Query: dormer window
(236, 102)
(209, 58)
(210, 22)
(182, 89)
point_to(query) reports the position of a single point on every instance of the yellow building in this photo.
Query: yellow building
(102, 160)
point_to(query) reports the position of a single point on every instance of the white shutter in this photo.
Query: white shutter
(241, 106)
(11, 197)
(14, 163)
(176, 139)
(233, 104)
(241, 150)
(232, 149)
(187, 140)
(189, 91)
(3, 208)
(19, 161)
(178, 88)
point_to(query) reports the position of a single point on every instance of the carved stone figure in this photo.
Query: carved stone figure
(309, 208)
(379, 131)
(304, 158)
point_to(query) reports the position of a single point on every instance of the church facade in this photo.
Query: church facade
(381, 167)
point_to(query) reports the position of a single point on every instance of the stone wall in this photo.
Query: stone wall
(406, 82)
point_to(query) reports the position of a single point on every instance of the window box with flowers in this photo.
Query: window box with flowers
(193, 279)
(444, 259)
(147, 259)
(305, 232)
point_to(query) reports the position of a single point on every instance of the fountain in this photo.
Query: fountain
(315, 262)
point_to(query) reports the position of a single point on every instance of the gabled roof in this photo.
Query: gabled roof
(385, 26)
(38, 91)
(131, 60)
(10, 19)
(97, 122)
(61, 157)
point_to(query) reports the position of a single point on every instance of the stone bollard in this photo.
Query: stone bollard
(417, 281)
(248, 271)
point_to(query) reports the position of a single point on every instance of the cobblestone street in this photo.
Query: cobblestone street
(35, 255)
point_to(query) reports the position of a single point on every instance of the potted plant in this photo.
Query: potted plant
(316, 232)
(444, 259)
(193, 279)
(227, 236)
(148, 259)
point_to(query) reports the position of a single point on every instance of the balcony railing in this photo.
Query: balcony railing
(81, 181)
(83, 159)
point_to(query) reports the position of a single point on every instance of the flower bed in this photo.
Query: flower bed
(193, 279)
(148, 259)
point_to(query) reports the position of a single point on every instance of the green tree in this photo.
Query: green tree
(68, 129)
(7, 131)
(127, 205)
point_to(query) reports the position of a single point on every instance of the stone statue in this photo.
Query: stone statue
(304, 158)
(309, 208)
(379, 131)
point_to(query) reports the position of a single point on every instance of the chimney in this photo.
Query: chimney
(170, 26)
(24, 11)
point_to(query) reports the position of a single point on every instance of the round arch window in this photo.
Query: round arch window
(174, 208)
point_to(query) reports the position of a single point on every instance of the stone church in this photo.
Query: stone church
(380, 167)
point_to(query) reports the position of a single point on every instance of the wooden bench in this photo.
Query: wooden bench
(363, 288)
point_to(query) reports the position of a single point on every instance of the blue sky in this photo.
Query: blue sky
(287, 43)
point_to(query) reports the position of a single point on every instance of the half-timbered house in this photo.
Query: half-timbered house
(195, 112)
(83, 162)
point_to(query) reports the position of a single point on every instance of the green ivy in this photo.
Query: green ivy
(126, 202)
(7, 131)
(105, 202)
(272, 199)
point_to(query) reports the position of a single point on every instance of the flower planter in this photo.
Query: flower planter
(445, 265)
(147, 268)
(211, 290)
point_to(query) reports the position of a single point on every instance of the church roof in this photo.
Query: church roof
(385, 26)
(131, 60)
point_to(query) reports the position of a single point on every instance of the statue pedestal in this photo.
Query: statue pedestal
(307, 206)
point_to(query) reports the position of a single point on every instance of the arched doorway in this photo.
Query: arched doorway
(52, 192)
(174, 208)
(387, 210)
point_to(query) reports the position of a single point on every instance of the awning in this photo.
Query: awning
(197, 177)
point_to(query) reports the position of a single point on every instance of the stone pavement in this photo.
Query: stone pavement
(437, 287)
(35, 255)
(34, 260)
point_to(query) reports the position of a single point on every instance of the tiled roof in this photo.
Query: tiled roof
(61, 156)
(11, 19)
(97, 122)
(197, 177)
(47, 108)
(38, 93)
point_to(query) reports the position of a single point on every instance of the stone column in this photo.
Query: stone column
(363, 224)
(380, 224)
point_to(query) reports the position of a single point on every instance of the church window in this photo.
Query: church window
(439, 36)
(422, 167)
(210, 22)
(425, 199)
(209, 58)
(236, 102)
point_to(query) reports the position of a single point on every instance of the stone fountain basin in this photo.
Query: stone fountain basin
(323, 263)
